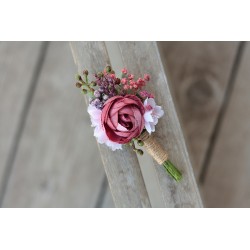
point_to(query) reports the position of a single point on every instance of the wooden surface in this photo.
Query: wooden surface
(143, 57)
(209, 81)
(56, 164)
(34, 171)
(15, 81)
(122, 168)
(228, 179)
(198, 73)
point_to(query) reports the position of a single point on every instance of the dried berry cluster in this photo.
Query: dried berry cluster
(106, 85)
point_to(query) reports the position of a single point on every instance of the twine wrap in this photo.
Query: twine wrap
(154, 148)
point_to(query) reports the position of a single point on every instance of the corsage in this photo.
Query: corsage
(123, 113)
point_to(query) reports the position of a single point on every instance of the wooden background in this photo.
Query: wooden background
(47, 151)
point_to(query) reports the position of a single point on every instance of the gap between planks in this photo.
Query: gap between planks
(227, 180)
(221, 114)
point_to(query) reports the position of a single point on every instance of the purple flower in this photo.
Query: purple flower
(96, 102)
(107, 84)
(101, 89)
(97, 93)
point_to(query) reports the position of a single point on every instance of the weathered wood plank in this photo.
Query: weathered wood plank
(17, 64)
(122, 168)
(145, 162)
(198, 73)
(57, 164)
(143, 57)
(108, 200)
(227, 182)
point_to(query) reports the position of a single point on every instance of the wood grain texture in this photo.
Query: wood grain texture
(53, 168)
(17, 64)
(143, 57)
(227, 183)
(122, 168)
(198, 73)
(108, 200)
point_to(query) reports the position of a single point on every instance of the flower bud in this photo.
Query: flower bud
(140, 143)
(139, 151)
(85, 72)
(78, 77)
(108, 69)
(117, 81)
(84, 91)
(97, 93)
(101, 89)
(100, 74)
(78, 85)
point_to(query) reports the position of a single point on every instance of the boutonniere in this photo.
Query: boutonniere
(123, 113)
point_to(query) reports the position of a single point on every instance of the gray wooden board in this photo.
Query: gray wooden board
(122, 168)
(198, 73)
(145, 162)
(140, 58)
(17, 64)
(108, 200)
(227, 183)
(57, 163)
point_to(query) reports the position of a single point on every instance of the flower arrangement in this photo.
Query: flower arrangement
(122, 112)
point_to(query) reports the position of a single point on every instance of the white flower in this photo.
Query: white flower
(152, 114)
(99, 132)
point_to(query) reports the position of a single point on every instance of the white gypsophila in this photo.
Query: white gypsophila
(99, 132)
(152, 114)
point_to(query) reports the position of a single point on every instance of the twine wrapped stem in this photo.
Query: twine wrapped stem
(159, 155)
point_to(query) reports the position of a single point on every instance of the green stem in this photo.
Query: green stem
(172, 170)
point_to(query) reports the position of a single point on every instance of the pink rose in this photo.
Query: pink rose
(122, 118)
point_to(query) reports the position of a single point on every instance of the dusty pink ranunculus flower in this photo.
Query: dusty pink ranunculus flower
(122, 118)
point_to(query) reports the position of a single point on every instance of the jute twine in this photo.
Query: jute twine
(154, 148)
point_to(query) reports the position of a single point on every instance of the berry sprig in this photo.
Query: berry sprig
(106, 85)
(87, 88)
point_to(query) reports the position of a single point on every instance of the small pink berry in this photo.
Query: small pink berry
(112, 76)
(124, 71)
(145, 94)
(147, 77)
(131, 77)
(124, 81)
(141, 82)
(131, 82)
